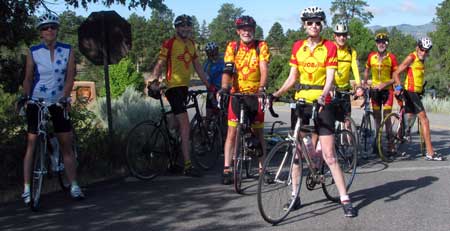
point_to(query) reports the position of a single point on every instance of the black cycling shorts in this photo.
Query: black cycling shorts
(325, 121)
(413, 104)
(60, 124)
(343, 108)
(177, 97)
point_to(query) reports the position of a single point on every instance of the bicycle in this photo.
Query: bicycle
(395, 130)
(152, 147)
(248, 148)
(272, 137)
(366, 131)
(43, 164)
(348, 123)
(285, 164)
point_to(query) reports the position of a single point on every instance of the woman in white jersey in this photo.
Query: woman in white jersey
(49, 76)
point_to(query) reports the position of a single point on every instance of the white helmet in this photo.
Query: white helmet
(312, 12)
(48, 18)
(424, 43)
(340, 28)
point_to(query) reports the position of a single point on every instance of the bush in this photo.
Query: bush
(438, 105)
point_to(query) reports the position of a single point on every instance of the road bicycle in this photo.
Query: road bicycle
(45, 163)
(348, 123)
(395, 136)
(285, 163)
(153, 147)
(366, 130)
(248, 148)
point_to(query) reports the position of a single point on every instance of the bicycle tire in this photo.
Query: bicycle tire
(388, 141)
(147, 150)
(238, 157)
(273, 195)
(353, 129)
(367, 134)
(39, 170)
(251, 164)
(205, 145)
(347, 157)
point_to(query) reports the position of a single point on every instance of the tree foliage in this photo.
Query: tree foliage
(123, 75)
(345, 10)
(276, 38)
(222, 29)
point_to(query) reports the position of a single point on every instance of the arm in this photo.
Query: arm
(203, 76)
(264, 69)
(355, 68)
(70, 75)
(328, 82)
(400, 69)
(28, 80)
(289, 83)
(157, 70)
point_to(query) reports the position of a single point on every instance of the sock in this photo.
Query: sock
(26, 187)
(345, 199)
(226, 169)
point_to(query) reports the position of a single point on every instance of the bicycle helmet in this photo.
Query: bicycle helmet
(47, 18)
(154, 90)
(244, 21)
(312, 12)
(211, 48)
(424, 43)
(340, 28)
(381, 37)
(183, 20)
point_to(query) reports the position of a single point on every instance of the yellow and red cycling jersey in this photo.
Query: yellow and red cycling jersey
(312, 66)
(381, 71)
(415, 75)
(179, 56)
(347, 59)
(247, 64)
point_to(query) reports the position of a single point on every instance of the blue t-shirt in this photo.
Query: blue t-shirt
(214, 69)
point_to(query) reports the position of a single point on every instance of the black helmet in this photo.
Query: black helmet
(381, 37)
(244, 21)
(154, 90)
(312, 12)
(424, 43)
(183, 20)
(211, 48)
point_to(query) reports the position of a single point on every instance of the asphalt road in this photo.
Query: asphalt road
(408, 194)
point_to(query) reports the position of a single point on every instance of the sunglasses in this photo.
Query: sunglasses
(424, 50)
(184, 24)
(53, 27)
(310, 23)
(339, 35)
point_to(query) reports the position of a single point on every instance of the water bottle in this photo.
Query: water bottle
(318, 155)
(308, 144)
(54, 157)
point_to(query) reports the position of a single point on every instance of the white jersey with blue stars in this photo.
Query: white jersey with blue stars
(49, 77)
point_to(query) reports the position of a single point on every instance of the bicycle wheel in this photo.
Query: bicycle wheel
(205, 144)
(353, 129)
(390, 137)
(238, 160)
(423, 148)
(62, 175)
(39, 170)
(147, 149)
(346, 156)
(367, 134)
(273, 195)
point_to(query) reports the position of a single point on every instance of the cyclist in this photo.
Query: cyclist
(49, 75)
(347, 59)
(178, 54)
(381, 65)
(213, 66)
(246, 70)
(313, 64)
(414, 65)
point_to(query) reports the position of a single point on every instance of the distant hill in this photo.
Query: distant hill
(415, 31)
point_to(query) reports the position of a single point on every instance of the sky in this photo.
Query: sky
(286, 12)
